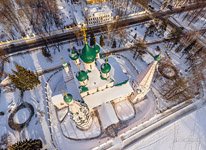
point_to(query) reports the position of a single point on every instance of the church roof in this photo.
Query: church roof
(105, 68)
(96, 48)
(82, 75)
(68, 98)
(65, 65)
(88, 54)
(145, 77)
(157, 57)
(74, 55)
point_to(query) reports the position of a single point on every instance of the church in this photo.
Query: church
(99, 84)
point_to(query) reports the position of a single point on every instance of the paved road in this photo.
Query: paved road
(70, 35)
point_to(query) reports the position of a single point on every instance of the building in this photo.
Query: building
(102, 86)
(96, 14)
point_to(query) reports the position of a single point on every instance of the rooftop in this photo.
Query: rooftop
(92, 9)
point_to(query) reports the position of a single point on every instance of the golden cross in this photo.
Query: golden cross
(84, 29)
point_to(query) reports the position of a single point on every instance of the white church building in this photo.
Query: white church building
(103, 87)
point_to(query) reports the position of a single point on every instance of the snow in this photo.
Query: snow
(186, 133)
(124, 110)
(95, 10)
(71, 131)
(21, 116)
(109, 116)
(62, 113)
(107, 95)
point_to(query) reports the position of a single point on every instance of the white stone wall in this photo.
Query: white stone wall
(89, 66)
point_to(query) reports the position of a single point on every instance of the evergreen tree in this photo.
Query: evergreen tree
(114, 44)
(92, 39)
(102, 41)
(24, 79)
(27, 145)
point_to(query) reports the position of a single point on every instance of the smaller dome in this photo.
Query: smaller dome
(96, 48)
(74, 55)
(82, 76)
(68, 98)
(105, 68)
(65, 65)
(157, 57)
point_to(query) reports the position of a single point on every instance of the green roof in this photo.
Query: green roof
(88, 54)
(74, 55)
(82, 75)
(83, 89)
(157, 57)
(96, 48)
(64, 64)
(105, 68)
(68, 98)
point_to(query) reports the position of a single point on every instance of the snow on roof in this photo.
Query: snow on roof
(79, 18)
(107, 95)
(109, 116)
(94, 9)
(147, 58)
(116, 72)
(58, 101)
(95, 81)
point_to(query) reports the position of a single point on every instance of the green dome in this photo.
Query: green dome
(88, 54)
(74, 55)
(82, 75)
(64, 64)
(105, 68)
(96, 48)
(68, 98)
(157, 57)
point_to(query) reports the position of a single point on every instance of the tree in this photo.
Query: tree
(175, 35)
(114, 44)
(3, 56)
(46, 52)
(102, 41)
(24, 79)
(27, 145)
(142, 3)
(149, 31)
(140, 48)
(92, 39)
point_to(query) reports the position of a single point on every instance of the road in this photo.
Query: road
(70, 34)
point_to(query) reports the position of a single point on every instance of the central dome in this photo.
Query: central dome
(88, 54)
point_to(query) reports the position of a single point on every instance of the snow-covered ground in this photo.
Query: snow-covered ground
(187, 133)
